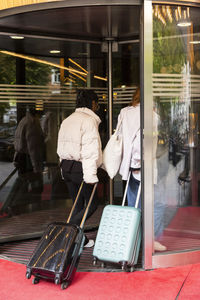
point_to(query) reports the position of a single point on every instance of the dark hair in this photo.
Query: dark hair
(33, 111)
(85, 98)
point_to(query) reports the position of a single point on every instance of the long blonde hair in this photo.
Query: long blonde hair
(136, 98)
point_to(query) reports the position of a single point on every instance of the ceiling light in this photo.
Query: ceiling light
(41, 61)
(195, 42)
(75, 63)
(17, 37)
(54, 51)
(184, 24)
(100, 78)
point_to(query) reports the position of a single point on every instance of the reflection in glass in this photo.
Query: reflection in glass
(29, 158)
(47, 87)
(176, 94)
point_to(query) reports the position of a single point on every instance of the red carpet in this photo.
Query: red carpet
(191, 288)
(186, 223)
(162, 284)
(184, 230)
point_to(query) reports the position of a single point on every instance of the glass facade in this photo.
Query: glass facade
(43, 70)
(176, 94)
(49, 85)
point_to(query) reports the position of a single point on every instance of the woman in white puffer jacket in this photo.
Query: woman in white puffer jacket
(80, 152)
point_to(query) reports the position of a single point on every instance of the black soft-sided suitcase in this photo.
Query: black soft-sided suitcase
(57, 255)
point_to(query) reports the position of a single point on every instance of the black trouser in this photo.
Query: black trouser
(27, 178)
(73, 176)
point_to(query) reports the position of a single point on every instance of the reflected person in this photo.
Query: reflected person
(29, 154)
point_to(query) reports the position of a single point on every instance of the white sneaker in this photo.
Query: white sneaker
(159, 247)
(89, 244)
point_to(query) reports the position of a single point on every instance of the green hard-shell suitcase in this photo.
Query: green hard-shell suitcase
(119, 235)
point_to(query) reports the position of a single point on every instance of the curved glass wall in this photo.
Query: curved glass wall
(44, 73)
(31, 76)
(47, 84)
(176, 98)
(126, 77)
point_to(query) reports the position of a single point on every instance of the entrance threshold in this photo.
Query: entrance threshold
(21, 251)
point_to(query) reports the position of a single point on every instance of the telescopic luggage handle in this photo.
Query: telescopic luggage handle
(88, 206)
(74, 205)
(125, 192)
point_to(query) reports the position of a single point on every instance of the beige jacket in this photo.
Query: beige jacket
(130, 117)
(79, 140)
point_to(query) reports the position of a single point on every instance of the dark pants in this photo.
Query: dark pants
(133, 191)
(73, 176)
(29, 185)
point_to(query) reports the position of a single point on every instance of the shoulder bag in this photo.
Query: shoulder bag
(112, 154)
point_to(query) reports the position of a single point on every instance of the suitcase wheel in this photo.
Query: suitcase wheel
(132, 269)
(57, 280)
(124, 266)
(94, 261)
(65, 285)
(28, 274)
(35, 280)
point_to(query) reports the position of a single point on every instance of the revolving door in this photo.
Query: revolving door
(49, 58)
(48, 50)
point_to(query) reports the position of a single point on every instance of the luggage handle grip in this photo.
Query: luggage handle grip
(125, 192)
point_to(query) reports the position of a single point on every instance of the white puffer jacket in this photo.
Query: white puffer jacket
(79, 139)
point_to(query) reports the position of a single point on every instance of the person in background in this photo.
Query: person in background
(50, 131)
(80, 152)
(29, 154)
(131, 160)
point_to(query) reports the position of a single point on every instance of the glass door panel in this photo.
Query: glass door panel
(126, 77)
(44, 71)
(176, 96)
(49, 85)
